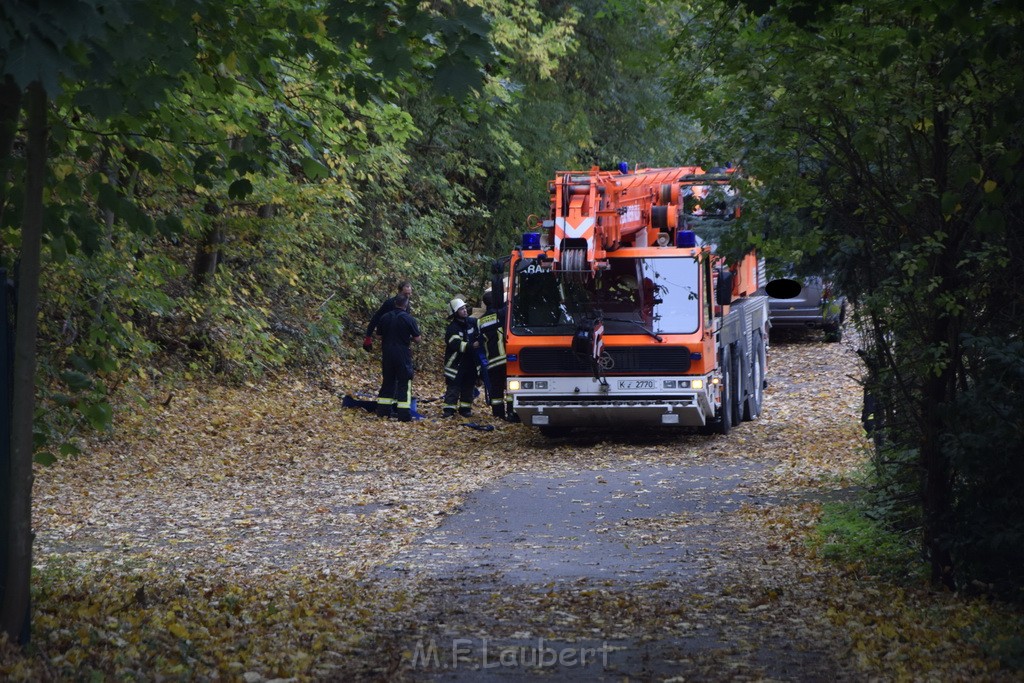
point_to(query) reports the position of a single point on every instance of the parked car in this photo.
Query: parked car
(806, 302)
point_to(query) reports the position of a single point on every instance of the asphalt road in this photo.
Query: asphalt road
(642, 534)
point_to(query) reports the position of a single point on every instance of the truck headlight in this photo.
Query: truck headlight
(513, 385)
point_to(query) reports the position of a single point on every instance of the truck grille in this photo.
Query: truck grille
(625, 360)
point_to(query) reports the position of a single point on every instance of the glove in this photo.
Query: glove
(367, 343)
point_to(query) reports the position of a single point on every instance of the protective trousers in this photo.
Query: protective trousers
(396, 389)
(386, 393)
(501, 405)
(458, 394)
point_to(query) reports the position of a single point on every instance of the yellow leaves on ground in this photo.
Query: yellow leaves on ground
(231, 533)
(177, 630)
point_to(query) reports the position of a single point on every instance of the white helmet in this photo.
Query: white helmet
(455, 305)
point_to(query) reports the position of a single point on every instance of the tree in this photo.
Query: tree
(886, 140)
(14, 608)
(588, 84)
(100, 73)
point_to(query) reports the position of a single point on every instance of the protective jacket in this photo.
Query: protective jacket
(459, 356)
(385, 308)
(397, 329)
(492, 328)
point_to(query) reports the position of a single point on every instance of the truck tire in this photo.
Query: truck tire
(724, 423)
(752, 407)
(736, 371)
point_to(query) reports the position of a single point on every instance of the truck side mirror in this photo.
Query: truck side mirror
(723, 294)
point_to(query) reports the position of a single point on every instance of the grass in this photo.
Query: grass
(848, 535)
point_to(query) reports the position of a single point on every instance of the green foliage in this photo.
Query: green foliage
(396, 38)
(986, 436)
(170, 122)
(892, 494)
(884, 140)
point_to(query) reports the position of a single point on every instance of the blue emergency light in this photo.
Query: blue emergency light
(531, 240)
(686, 238)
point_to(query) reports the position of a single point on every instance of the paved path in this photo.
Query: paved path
(533, 547)
(536, 529)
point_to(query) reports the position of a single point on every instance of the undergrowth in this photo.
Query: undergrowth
(847, 534)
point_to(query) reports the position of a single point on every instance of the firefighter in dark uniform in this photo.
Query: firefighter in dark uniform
(384, 404)
(492, 329)
(398, 330)
(462, 339)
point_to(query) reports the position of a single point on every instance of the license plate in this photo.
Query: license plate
(636, 384)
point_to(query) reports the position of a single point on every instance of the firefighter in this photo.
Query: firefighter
(398, 330)
(462, 339)
(492, 329)
(384, 403)
(404, 287)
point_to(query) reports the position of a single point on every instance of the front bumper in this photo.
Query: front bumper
(622, 401)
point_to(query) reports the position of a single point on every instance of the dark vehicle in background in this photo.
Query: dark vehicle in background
(806, 303)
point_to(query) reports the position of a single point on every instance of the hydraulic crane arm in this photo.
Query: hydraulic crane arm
(600, 211)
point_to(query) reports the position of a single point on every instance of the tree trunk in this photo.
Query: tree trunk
(937, 486)
(208, 252)
(14, 611)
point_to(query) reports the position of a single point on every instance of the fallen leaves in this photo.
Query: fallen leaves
(238, 532)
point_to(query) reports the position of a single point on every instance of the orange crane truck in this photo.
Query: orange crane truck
(621, 314)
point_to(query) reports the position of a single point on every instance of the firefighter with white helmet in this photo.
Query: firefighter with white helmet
(462, 339)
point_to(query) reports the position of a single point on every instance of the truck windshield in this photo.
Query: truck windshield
(656, 295)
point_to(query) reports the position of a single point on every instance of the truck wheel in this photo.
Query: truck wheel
(736, 371)
(752, 408)
(725, 414)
